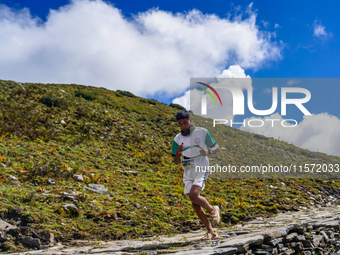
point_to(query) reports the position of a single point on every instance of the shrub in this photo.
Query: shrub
(48, 101)
(122, 93)
(149, 101)
(177, 106)
(86, 95)
(260, 137)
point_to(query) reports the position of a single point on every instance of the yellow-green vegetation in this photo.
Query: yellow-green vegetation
(50, 132)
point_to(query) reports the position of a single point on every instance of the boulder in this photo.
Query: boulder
(242, 244)
(98, 188)
(275, 241)
(4, 226)
(71, 209)
(291, 237)
(218, 251)
(30, 241)
(270, 235)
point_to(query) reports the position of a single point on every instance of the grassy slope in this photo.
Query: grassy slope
(110, 132)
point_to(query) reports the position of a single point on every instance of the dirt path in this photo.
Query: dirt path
(190, 241)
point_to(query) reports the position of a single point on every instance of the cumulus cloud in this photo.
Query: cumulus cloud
(317, 132)
(92, 43)
(233, 71)
(320, 30)
(183, 100)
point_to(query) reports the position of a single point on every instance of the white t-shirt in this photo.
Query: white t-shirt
(191, 153)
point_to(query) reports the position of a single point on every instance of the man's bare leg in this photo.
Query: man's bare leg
(196, 198)
(202, 216)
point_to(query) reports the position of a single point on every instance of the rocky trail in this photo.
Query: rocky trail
(309, 231)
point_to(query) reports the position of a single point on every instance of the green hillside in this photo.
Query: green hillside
(50, 133)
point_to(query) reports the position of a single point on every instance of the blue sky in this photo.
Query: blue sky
(303, 55)
(153, 48)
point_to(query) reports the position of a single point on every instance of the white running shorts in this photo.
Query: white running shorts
(194, 176)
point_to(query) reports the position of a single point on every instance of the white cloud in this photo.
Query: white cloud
(92, 43)
(265, 23)
(277, 26)
(319, 30)
(183, 100)
(318, 132)
(234, 71)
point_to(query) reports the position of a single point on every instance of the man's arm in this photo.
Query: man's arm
(214, 149)
(211, 143)
(211, 150)
(177, 158)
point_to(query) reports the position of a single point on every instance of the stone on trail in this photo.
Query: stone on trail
(297, 247)
(216, 251)
(270, 235)
(31, 242)
(290, 237)
(146, 248)
(241, 232)
(325, 236)
(226, 251)
(307, 244)
(300, 238)
(288, 252)
(332, 223)
(242, 243)
(49, 237)
(285, 230)
(261, 252)
(275, 241)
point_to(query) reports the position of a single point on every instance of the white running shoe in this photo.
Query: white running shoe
(215, 216)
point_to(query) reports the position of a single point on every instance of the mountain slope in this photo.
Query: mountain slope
(58, 140)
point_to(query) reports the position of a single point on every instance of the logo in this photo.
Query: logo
(208, 86)
(238, 100)
(204, 97)
(289, 96)
(197, 140)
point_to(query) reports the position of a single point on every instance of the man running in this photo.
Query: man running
(191, 144)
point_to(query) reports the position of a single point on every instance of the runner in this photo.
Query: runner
(191, 144)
